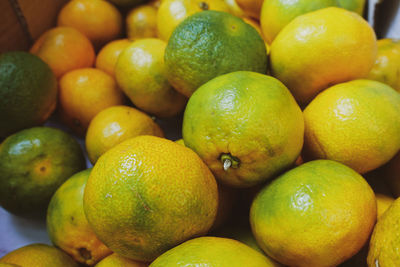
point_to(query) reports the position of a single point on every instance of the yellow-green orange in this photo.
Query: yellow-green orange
(148, 194)
(212, 251)
(114, 260)
(141, 74)
(318, 214)
(356, 123)
(115, 125)
(248, 122)
(387, 64)
(33, 164)
(385, 240)
(67, 226)
(308, 59)
(107, 57)
(38, 255)
(28, 92)
(209, 44)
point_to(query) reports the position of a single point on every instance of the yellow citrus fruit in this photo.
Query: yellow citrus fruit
(383, 203)
(246, 127)
(98, 20)
(9, 265)
(141, 22)
(115, 125)
(387, 64)
(147, 195)
(391, 173)
(115, 260)
(64, 49)
(251, 8)
(235, 46)
(385, 240)
(28, 92)
(318, 214)
(180, 141)
(107, 57)
(356, 123)
(140, 72)
(67, 226)
(38, 255)
(308, 59)
(353, 5)
(83, 93)
(234, 8)
(33, 164)
(212, 251)
(172, 12)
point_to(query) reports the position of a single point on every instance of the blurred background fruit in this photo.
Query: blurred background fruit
(28, 92)
(64, 49)
(67, 226)
(141, 22)
(114, 125)
(33, 164)
(107, 57)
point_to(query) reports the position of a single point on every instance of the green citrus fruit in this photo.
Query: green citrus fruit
(208, 44)
(28, 92)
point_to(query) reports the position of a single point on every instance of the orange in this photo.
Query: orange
(67, 226)
(318, 214)
(64, 49)
(99, 20)
(141, 22)
(140, 72)
(251, 8)
(309, 59)
(172, 12)
(83, 93)
(114, 125)
(362, 116)
(108, 55)
(115, 260)
(38, 255)
(147, 195)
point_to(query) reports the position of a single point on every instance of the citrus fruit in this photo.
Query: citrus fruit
(141, 22)
(385, 240)
(172, 12)
(38, 255)
(148, 194)
(383, 203)
(309, 59)
(83, 93)
(318, 214)
(98, 20)
(28, 92)
(387, 64)
(212, 251)
(234, 8)
(209, 44)
(353, 5)
(180, 141)
(67, 226)
(276, 14)
(114, 125)
(9, 265)
(117, 261)
(362, 116)
(33, 164)
(64, 49)
(107, 57)
(392, 175)
(126, 3)
(140, 72)
(251, 8)
(246, 127)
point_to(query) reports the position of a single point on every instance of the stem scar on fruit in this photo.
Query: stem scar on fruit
(204, 6)
(229, 161)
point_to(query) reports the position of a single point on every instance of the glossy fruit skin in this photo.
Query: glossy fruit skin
(363, 116)
(385, 240)
(107, 57)
(38, 255)
(33, 164)
(148, 194)
(64, 49)
(309, 59)
(318, 214)
(28, 92)
(236, 115)
(209, 44)
(114, 260)
(67, 225)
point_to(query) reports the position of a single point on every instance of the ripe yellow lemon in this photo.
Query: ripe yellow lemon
(318, 214)
(322, 48)
(356, 123)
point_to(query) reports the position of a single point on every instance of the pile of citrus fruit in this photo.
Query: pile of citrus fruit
(289, 113)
